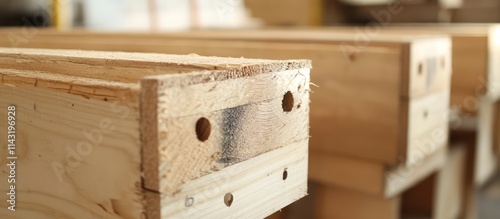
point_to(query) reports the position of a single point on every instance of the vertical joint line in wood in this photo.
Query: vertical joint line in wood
(149, 134)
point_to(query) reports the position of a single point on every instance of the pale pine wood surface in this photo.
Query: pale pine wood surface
(350, 80)
(107, 182)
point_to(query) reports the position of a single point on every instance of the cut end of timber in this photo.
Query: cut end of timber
(167, 135)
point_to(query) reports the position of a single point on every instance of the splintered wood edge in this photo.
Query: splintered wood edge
(132, 67)
(227, 73)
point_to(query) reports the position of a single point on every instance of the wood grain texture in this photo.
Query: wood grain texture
(77, 157)
(352, 76)
(126, 144)
(475, 84)
(473, 76)
(249, 122)
(257, 187)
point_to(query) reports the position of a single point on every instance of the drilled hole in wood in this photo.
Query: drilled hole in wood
(287, 102)
(420, 68)
(189, 201)
(203, 129)
(228, 199)
(285, 174)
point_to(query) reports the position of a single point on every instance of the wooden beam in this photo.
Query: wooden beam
(386, 75)
(475, 84)
(374, 179)
(131, 135)
(473, 76)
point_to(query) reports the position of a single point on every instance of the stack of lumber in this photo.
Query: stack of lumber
(474, 92)
(133, 135)
(382, 103)
(377, 119)
(475, 88)
(475, 85)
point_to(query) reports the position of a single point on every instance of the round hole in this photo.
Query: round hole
(285, 174)
(203, 129)
(287, 102)
(228, 199)
(420, 68)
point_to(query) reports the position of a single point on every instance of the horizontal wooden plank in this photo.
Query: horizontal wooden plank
(352, 76)
(131, 67)
(371, 178)
(351, 40)
(253, 184)
(473, 76)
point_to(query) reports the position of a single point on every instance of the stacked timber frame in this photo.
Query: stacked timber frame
(133, 135)
(380, 110)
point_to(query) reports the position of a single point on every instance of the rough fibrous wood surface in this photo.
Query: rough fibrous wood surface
(116, 135)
